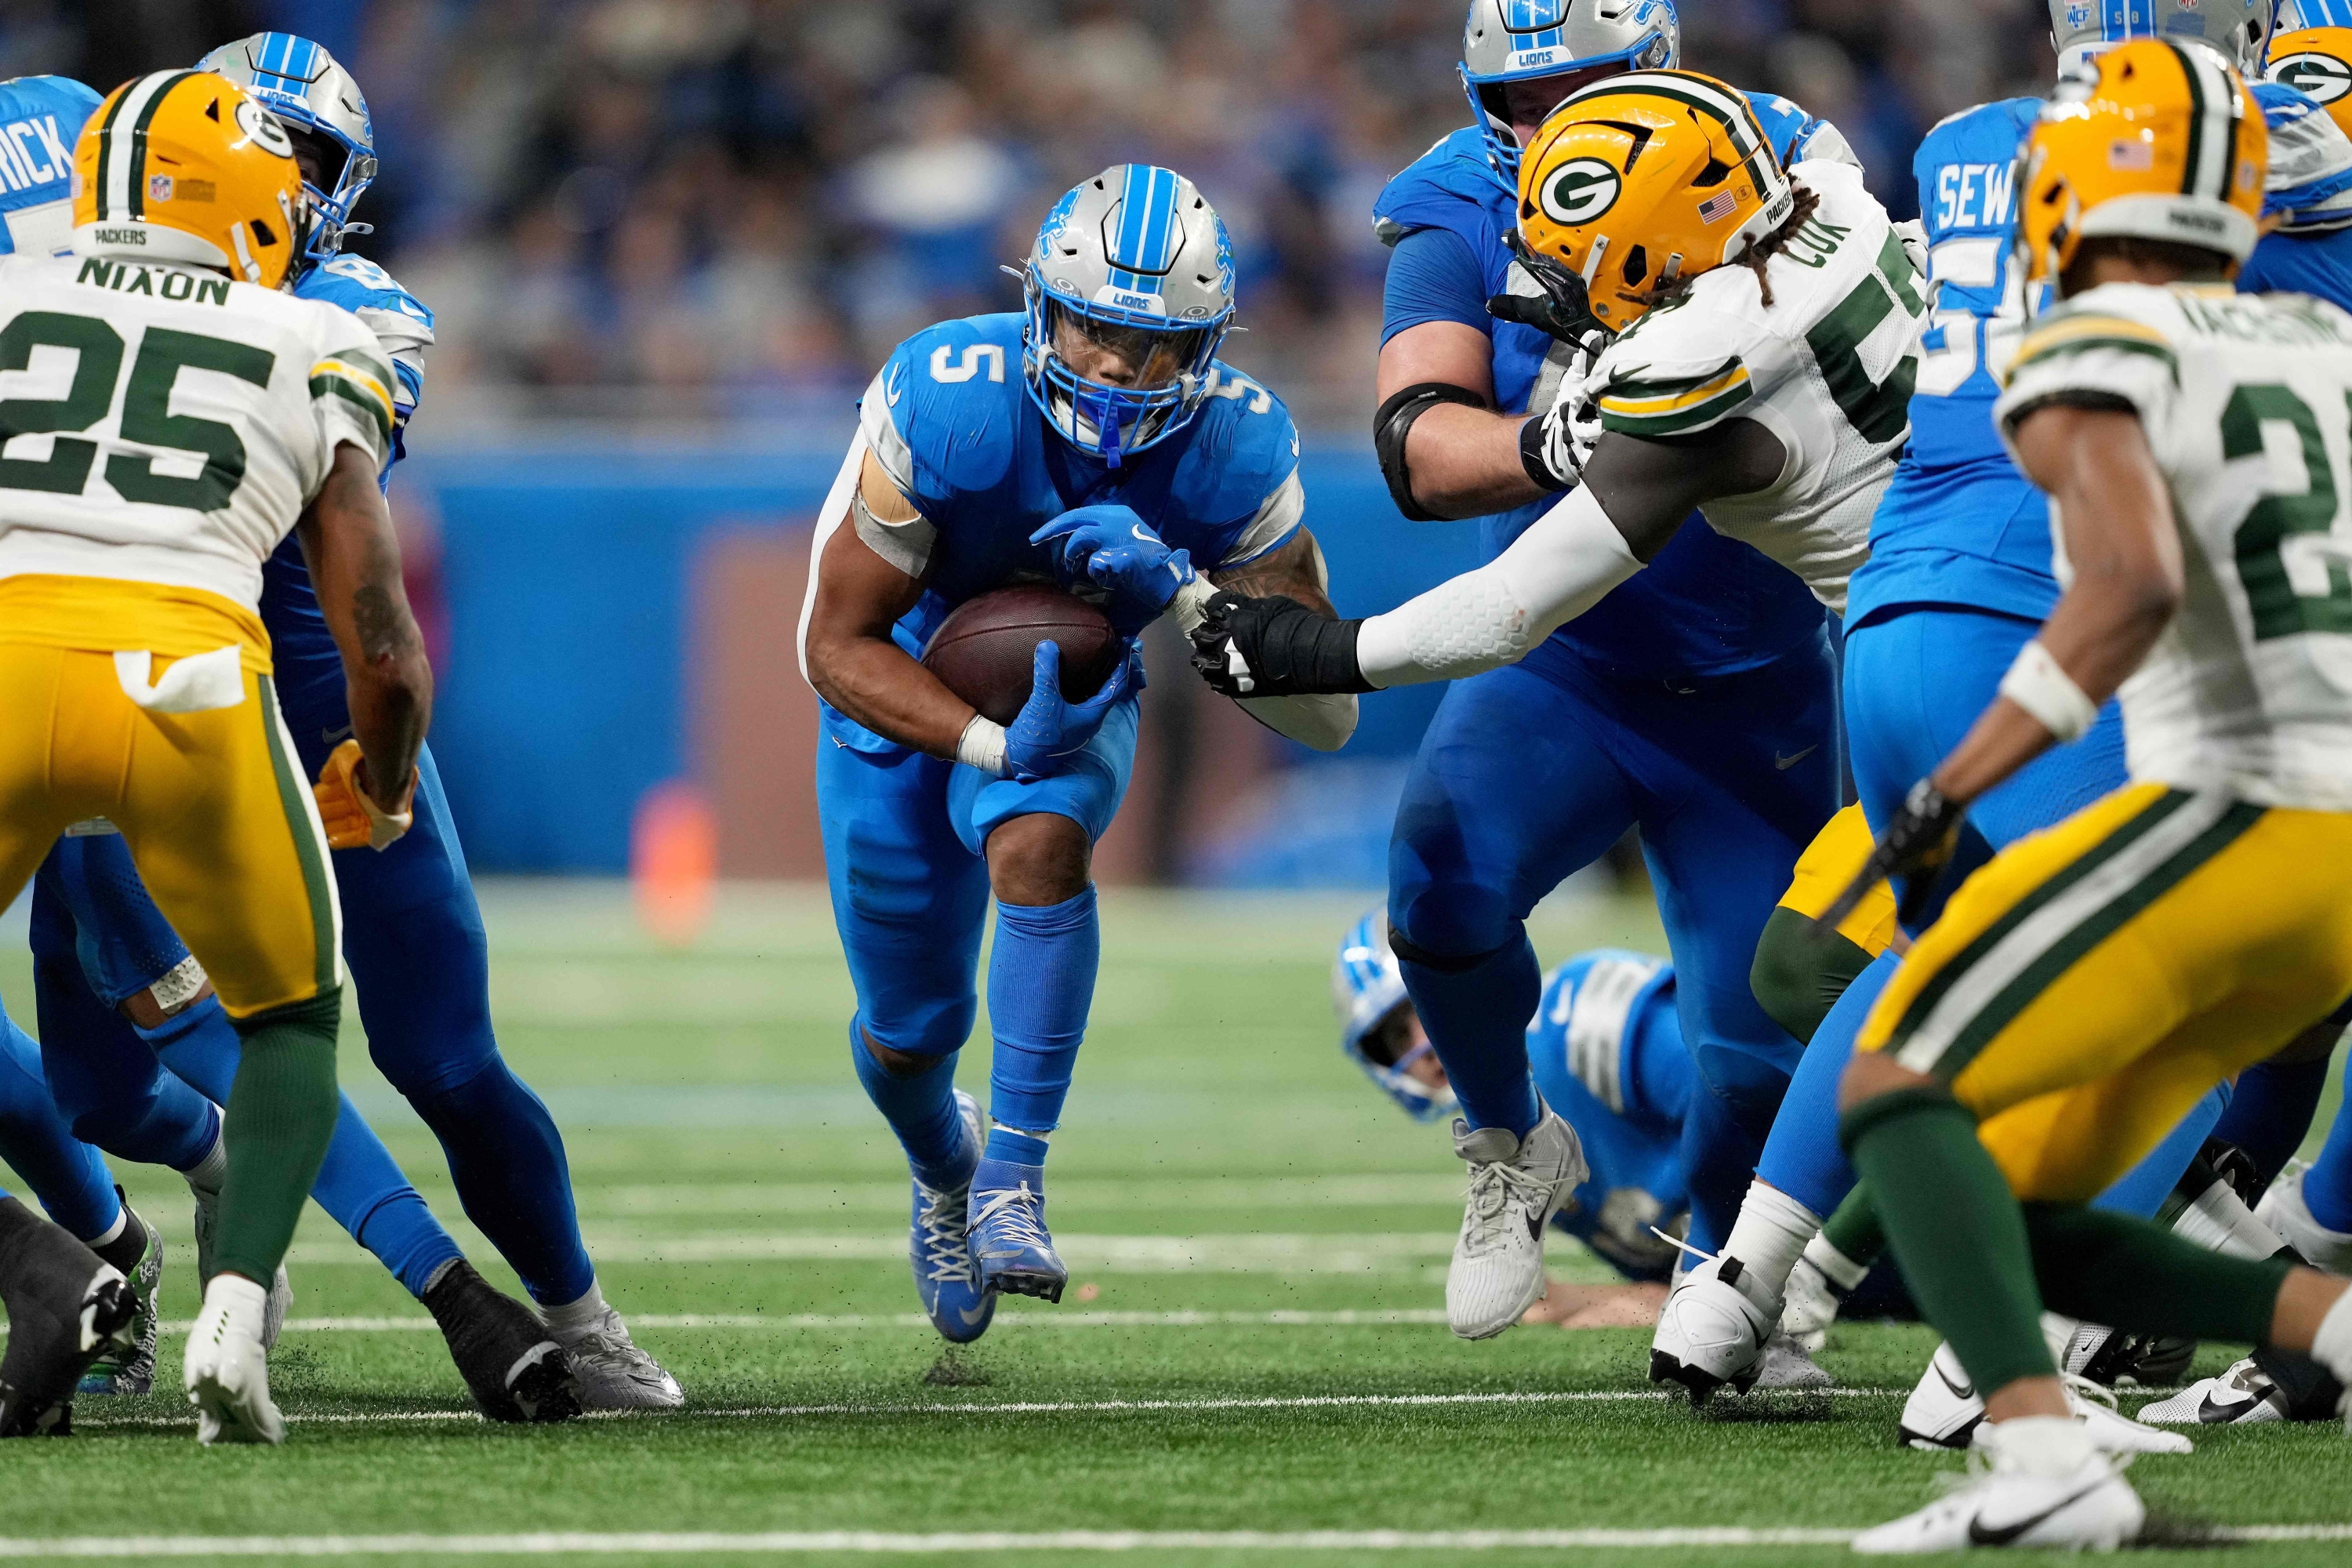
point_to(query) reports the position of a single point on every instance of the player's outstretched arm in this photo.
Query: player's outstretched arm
(1637, 492)
(1295, 570)
(2115, 509)
(354, 559)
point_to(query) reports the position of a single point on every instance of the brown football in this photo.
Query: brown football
(984, 651)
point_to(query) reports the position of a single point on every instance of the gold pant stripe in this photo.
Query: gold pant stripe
(1834, 858)
(1968, 999)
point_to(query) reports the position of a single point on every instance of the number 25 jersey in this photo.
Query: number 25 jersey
(2247, 404)
(166, 424)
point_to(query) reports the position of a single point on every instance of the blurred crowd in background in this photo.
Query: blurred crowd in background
(735, 206)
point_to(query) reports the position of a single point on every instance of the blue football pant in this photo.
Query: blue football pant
(1528, 773)
(904, 837)
(65, 1173)
(414, 942)
(1914, 682)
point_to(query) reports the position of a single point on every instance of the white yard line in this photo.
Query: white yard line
(1417, 1316)
(877, 1542)
(1244, 1253)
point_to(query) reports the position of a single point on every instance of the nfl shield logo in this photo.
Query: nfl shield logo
(159, 187)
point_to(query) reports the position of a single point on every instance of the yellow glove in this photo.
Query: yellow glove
(352, 818)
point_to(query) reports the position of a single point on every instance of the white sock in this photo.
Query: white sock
(2220, 1221)
(1836, 1267)
(2053, 1446)
(2331, 1347)
(1044, 1137)
(209, 1174)
(574, 1318)
(121, 1219)
(1768, 1238)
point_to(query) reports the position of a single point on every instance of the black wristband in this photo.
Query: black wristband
(1531, 457)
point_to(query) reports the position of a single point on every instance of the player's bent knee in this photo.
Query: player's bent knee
(901, 1064)
(1040, 860)
(1438, 923)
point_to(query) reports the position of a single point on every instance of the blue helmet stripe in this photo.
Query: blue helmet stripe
(2130, 19)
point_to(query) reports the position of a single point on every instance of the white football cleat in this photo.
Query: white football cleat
(610, 1371)
(2283, 1209)
(281, 1290)
(1711, 1332)
(226, 1371)
(1812, 1306)
(1944, 1412)
(1787, 1367)
(2241, 1396)
(2006, 1503)
(1516, 1184)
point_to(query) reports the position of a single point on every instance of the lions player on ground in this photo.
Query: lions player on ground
(1094, 440)
(1764, 359)
(2076, 997)
(1694, 702)
(415, 941)
(1606, 1048)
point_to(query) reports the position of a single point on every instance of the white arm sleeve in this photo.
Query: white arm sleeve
(1565, 562)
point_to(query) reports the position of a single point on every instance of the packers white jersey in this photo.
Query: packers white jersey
(1828, 367)
(163, 424)
(2245, 399)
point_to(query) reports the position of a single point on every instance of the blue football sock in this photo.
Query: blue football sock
(1717, 1165)
(64, 1172)
(1803, 1157)
(919, 1107)
(1015, 1148)
(2327, 1185)
(2143, 1189)
(1476, 1016)
(506, 1161)
(360, 1185)
(2270, 1113)
(107, 1082)
(1041, 983)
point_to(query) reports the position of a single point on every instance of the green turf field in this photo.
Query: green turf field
(1253, 1342)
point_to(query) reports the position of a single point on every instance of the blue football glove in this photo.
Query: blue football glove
(1115, 549)
(1049, 730)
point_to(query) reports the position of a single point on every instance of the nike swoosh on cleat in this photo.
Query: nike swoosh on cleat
(1963, 1389)
(1785, 763)
(974, 1314)
(2213, 1412)
(2004, 1535)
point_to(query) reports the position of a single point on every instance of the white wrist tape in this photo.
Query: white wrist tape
(981, 746)
(2039, 684)
(1565, 563)
(1191, 604)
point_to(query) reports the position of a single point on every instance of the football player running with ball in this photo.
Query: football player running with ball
(2077, 996)
(1764, 359)
(1093, 440)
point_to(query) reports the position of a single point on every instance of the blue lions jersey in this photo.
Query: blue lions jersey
(40, 118)
(949, 419)
(1960, 525)
(1706, 604)
(2313, 254)
(1606, 1047)
(309, 668)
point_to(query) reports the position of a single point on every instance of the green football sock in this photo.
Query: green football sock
(2121, 1270)
(1854, 1230)
(1956, 1230)
(280, 1115)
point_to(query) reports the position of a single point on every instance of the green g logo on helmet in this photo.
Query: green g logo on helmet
(1581, 191)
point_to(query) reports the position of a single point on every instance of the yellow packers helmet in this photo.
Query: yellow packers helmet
(2147, 141)
(183, 166)
(2317, 62)
(1639, 180)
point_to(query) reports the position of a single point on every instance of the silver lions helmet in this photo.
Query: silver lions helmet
(325, 113)
(1134, 261)
(2240, 29)
(1522, 41)
(1366, 987)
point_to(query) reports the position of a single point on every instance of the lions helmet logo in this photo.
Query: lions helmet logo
(1581, 191)
(2322, 78)
(261, 128)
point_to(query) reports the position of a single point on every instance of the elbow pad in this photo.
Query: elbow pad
(1393, 423)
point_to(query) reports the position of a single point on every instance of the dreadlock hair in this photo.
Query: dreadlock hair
(1761, 251)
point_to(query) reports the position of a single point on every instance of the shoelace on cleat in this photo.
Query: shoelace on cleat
(1494, 1184)
(1014, 1213)
(946, 1259)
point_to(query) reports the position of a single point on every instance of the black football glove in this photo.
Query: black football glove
(1564, 310)
(1916, 846)
(1273, 647)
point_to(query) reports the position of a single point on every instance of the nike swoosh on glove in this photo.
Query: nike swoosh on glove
(351, 815)
(1112, 547)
